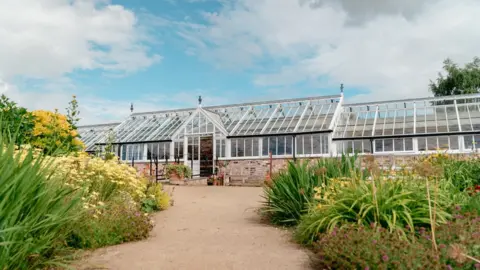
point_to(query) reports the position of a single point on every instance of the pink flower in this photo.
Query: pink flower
(385, 258)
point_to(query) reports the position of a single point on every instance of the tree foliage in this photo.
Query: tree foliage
(53, 132)
(15, 120)
(457, 80)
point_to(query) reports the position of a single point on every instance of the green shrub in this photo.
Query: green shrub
(288, 196)
(37, 212)
(157, 199)
(369, 247)
(120, 221)
(473, 204)
(17, 122)
(179, 169)
(346, 166)
(394, 204)
(463, 174)
(360, 247)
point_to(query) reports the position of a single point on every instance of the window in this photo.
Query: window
(244, 147)
(160, 151)
(278, 146)
(178, 150)
(220, 147)
(472, 142)
(312, 144)
(438, 143)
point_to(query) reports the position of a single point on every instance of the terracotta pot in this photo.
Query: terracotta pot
(176, 179)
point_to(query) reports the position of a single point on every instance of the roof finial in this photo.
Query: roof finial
(341, 89)
(131, 107)
(199, 101)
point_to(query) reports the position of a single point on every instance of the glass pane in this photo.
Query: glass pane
(454, 142)
(273, 146)
(265, 147)
(288, 145)
(388, 145)
(240, 147)
(281, 146)
(408, 144)
(443, 143)
(248, 147)
(398, 145)
(378, 145)
(422, 144)
(317, 144)
(307, 144)
(299, 145)
(255, 147)
(432, 143)
(358, 146)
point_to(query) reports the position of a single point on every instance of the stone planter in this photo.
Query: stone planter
(175, 179)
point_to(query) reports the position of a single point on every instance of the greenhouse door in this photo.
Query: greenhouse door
(200, 155)
(193, 155)
(206, 156)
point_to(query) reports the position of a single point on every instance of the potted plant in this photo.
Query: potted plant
(177, 172)
(210, 181)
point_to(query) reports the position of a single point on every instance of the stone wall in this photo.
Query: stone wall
(254, 172)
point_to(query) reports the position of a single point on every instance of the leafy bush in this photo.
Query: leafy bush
(120, 221)
(346, 166)
(287, 197)
(369, 247)
(392, 204)
(157, 199)
(53, 133)
(37, 212)
(360, 247)
(17, 122)
(106, 177)
(462, 173)
(179, 169)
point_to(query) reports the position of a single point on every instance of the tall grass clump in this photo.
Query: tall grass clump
(393, 204)
(288, 195)
(36, 211)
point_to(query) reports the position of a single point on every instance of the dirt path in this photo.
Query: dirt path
(208, 228)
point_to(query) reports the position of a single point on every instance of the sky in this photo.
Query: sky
(163, 54)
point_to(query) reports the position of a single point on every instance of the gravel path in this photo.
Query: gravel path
(208, 228)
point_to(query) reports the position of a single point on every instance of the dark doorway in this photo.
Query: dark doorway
(206, 156)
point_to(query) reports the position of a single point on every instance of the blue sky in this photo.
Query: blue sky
(162, 54)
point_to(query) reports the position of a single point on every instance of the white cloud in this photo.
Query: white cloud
(392, 48)
(46, 40)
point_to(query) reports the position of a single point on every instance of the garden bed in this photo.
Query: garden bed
(363, 218)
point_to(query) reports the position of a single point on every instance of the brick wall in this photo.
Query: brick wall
(253, 172)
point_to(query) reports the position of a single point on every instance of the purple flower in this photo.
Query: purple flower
(385, 258)
(449, 267)
(367, 268)
(459, 216)
(374, 241)
(428, 237)
(458, 208)
(442, 246)
(477, 266)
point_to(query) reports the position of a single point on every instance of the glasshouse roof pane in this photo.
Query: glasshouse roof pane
(94, 134)
(409, 117)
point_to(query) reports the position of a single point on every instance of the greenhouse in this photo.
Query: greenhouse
(290, 129)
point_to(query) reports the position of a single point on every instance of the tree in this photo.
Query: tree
(458, 80)
(73, 112)
(54, 134)
(15, 122)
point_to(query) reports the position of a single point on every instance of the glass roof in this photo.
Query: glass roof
(409, 117)
(90, 135)
(317, 114)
